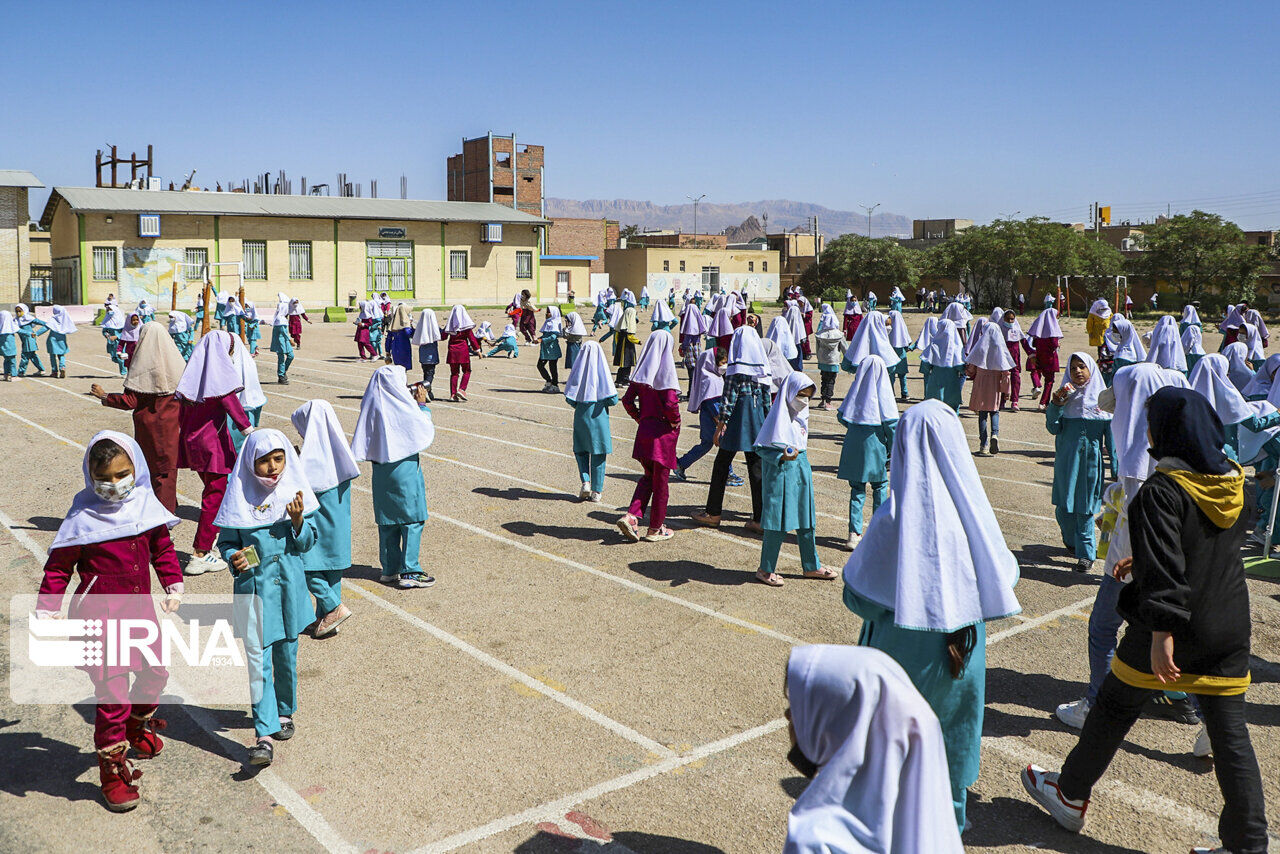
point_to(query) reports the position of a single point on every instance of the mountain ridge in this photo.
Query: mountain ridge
(714, 218)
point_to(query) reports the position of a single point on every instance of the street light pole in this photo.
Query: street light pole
(869, 210)
(695, 213)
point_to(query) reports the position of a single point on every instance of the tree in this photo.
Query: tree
(856, 262)
(628, 231)
(1199, 253)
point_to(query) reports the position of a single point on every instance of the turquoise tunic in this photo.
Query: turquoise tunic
(399, 492)
(1254, 423)
(9, 345)
(280, 342)
(1183, 327)
(1078, 474)
(333, 527)
(900, 369)
(1192, 358)
(253, 333)
(278, 580)
(864, 458)
(787, 489)
(237, 438)
(944, 384)
(182, 340)
(591, 427)
(958, 703)
(29, 334)
(664, 324)
(550, 347)
(56, 343)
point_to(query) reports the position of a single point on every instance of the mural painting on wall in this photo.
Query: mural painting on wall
(148, 273)
(755, 285)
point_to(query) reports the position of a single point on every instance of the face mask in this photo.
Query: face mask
(114, 492)
(267, 482)
(720, 369)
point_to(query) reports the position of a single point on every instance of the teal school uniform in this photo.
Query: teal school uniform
(958, 703)
(1078, 476)
(1192, 358)
(944, 384)
(550, 348)
(182, 340)
(399, 509)
(55, 344)
(280, 585)
(506, 344)
(253, 334)
(9, 351)
(237, 438)
(572, 344)
(283, 348)
(864, 460)
(899, 371)
(29, 340)
(787, 492)
(592, 442)
(331, 556)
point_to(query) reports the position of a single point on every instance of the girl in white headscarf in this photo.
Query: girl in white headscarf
(115, 533)
(1083, 433)
(112, 324)
(268, 525)
(462, 346)
(896, 299)
(788, 482)
(653, 401)
(426, 337)
(394, 426)
(900, 341)
(574, 333)
(875, 752)
(251, 395)
(1253, 344)
(601, 314)
(871, 338)
(796, 318)
(60, 326)
(1166, 347)
(781, 334)
(644, 297)
(989, 366)
(128, 341)
(624, 328)
(550, 353)
(591, 392)
(29, 331)
(706, 387)
(1209, 377)
(1193, 345)
(507, 343)
(663, 317)
(930, 572)
(693, 325)
(9, 344)
(399, 337)
(1238, 370)
(1096, 324)
(870, 416)
(829, 344)
(252, 327)
(181, 329)
(297, 314)
(1045, 335)
(281, 343)
(365, 322)
(1190, 317)
(1124, 343)
(1262, 382)
(231, 314)
(942, 363)
(329, 465)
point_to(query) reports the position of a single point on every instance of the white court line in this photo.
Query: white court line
(281, 792)
(1035, 622)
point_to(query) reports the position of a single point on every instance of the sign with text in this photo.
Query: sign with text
(391, 232)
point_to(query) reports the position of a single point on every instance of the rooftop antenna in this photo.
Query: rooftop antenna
(186, 184)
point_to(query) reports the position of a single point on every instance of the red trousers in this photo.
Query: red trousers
(653, 484)
(116, 701)
(215, 486)
(454, 371)
(165, 486)
(364, 346)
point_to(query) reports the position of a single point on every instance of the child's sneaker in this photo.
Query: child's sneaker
(677, 473)
(141, 733)
(390, 579)
(208, 562)
(1084, 565)
(663, 533)
(283, 380)
(852, 543)
(328, 624)
(1180, 709)
(1202, 748)
(287, 729)
(261, 753)
(995, 445)
(629, 528)
(595, 498)
(982, 450)
(1074, 714)
(584, 494)
(116, 776)
(415, 579)
(734, 480)
(1043, 787)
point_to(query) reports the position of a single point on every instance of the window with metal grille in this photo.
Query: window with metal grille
(751, 266)
(524, 265)
(104, 264)
(681, 266)
(562, 282)
(666, 266)
(389, 266)
(711, 277)
(196, 259)
(458, 264)
(764, 266)
(299, 260)
(255, 259)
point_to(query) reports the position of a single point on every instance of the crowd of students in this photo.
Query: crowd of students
(925, 576)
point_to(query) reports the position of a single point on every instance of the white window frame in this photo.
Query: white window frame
(300, 250)
(525, 258)
(101, 254)
(250, 271)
(456, 255)
(711, 277)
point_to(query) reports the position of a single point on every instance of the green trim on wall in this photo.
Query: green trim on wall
(86, 266)
(444, 270)
(336, 300)
(217, 252)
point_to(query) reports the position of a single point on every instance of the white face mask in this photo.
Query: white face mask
(267, 482)
(114, 492)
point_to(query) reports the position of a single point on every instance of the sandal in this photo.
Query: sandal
(627, 525)
(663, 533)
(823, 574)
(770, 578)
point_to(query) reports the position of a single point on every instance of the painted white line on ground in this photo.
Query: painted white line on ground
(1035, 622)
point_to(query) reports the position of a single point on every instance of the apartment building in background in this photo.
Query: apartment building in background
(497, 169)
(15, 236)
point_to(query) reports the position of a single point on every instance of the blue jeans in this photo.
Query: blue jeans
(273, 675)
(982, 425)
(591, 468)
(398, 547)
(707, 414)
(1104, 630)
(326, 586)
(857, 499)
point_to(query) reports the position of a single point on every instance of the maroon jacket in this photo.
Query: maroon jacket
(658, 414)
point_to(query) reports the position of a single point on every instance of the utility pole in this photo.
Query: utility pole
(869, 210)
(695, 214)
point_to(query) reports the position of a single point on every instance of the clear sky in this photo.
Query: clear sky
(932, 109)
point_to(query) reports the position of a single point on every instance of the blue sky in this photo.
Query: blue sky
(934, 109)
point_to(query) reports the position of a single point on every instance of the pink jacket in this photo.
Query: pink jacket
(658, 414)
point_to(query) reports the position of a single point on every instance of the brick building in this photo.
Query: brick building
(678, 239)
(15, 241)
(495, 169)
(582, 237)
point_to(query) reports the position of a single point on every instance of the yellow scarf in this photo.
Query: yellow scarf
(1220, 496)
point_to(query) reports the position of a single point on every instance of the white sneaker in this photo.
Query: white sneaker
(595, 498)
(1042, 786)
(1202, 747)
(1074, 714)
(584, 494)
(200, 565)
(852, 543)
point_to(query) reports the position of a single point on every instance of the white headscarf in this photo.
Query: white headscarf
(661, 313)
(616, 310)
(210, 372)
(1100, 309)
(281, 317)
(926, 334)
(1263, 381)
(1046, 325)
(656, 366)
(95, 520)
(250, 310)
(692, 320)
(459, 320)
(1166, 346)
(390, 426)
(779, 367)
(574, 325)
(707, 384)
(781, 333)
(872, 338)
(644, 291)
(367, 309)
(899, 335)
(428, 329)
(221, 298)
(553, 323)
(945, 349)
(628, 297)
(1083, 402)
(248, 503)
(721, 324)
(1190, 315)
(882, 780)
(509, 331)
(1209, 377)
(8, 326)
(870, 399)
(251, 396)
(957, 314)
(326, 457)
(897, 293)
(989, 350)
(295, 307)
(1252, 341)
(1123, 340)
(827, 319)
(115, 318)
(933, 553)
(590, 379)
(1238, 370)
(1254, 318)
(1193, 341)
(130, 332)
(1234, 319)
(787, 424)
(61, 321)
(747, 356)
(976, 335)
(796, 320)
(1133, 385)
(232, 308)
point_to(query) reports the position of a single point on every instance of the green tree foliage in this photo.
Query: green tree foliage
(1200, 253)
(860, 263)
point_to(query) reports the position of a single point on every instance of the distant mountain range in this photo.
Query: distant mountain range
(715, 218)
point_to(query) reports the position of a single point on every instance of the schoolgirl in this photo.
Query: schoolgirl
(623, 326)
(871, 301)
(721, 328)
(1263, 381)
(922, 342)
(29, 331)
(784, 337)
(852, 315)
(252, 398)
(426, 337)
(601, 314)
(399, 337)
(830, 347)
(297, 315)
(1230, 326)
(199, 308)
(9, 344)
(871, 338)
(1082, 433)
(529, 315)
(484, 333)
(1238, 370)
(900, 341)
(574, 333)
(653, 401)
(462, 345)
(1124, 343)
(590, 391)
(364, 331)
(281, 343)
(1253, 344)
(115, 532)
(220, 310)
(960, 316)
(1192, 341)
(507, 343)
(267, 526)
(662, 317)
(1015, 341)
(930, 572)
(60, 326)
(1190, 318)
(154, 374)
(989, 365)
(896, 299)
(128, 339)
(231, 314)
(1045, 335)
(329, 466)
(549, 352)
(943, 365)
(644, 297)
(796, 319)
(373, 314)
(870, 417)
(392, 429)
(1209, 377)
(181, 329)
(145, 312)
(705, 390)
(1096, 324)
(1166, 346)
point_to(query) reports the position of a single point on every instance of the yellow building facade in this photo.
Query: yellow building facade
(665, 269)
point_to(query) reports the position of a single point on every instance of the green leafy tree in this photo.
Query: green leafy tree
(860, 263)
(1201, 253)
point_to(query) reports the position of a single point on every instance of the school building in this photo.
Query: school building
(667, 268)
(15, 239)
(324, 250)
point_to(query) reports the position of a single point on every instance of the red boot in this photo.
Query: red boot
(141, 733)
(117, 777)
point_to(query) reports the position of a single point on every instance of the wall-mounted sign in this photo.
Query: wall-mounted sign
(391, 232)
